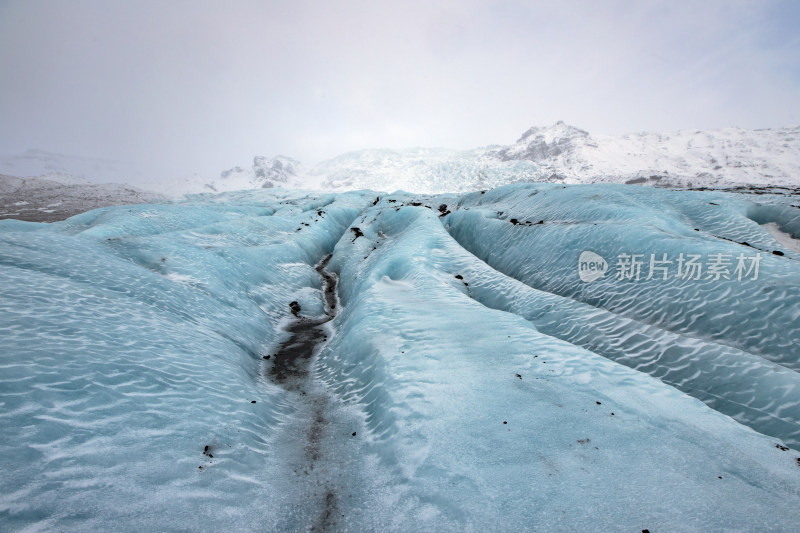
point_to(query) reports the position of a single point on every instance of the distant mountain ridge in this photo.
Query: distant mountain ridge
(557, 153)
(56, 197)
(538, 144)
(731, 156)
(560, 153)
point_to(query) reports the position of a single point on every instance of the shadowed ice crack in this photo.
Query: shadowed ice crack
(290, 370)
(290, 367)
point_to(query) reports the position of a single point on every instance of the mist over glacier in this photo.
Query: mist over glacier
(556, 153)
(469, 380)
(730, 157)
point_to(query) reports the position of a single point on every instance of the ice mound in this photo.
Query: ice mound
(469, 381)
(133, 343)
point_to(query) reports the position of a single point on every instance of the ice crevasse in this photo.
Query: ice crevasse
(470, 380)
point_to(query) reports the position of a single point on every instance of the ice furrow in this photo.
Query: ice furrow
(742, 385)
(442, 396)
(459, 398)
(289, 368)
(542, 252)
(161, 334)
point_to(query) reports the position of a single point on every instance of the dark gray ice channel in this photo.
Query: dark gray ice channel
(318, 508)
(293, 357)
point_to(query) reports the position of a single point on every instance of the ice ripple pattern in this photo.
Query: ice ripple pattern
(132, 338)
(471, 382)
(733, 344)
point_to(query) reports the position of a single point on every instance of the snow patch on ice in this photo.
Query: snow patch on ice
(785, 239)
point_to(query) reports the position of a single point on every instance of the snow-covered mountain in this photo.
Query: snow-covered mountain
(44, 187)
(558, 153)
(731, 156)
(56, 196)
(280, 360)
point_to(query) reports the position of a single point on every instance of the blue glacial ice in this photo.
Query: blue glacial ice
(470, 381)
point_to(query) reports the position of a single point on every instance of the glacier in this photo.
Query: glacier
(466, 379)
(730, 157)
(55, 186)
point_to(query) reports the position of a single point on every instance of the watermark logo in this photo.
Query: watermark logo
(694, 267)
(591, 266)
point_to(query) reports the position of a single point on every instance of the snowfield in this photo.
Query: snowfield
(463, 376)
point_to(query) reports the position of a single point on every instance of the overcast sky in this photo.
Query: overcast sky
(186, 86)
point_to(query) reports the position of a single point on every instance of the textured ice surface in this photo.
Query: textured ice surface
(470, 382)
(734, 344)
(132, 338)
